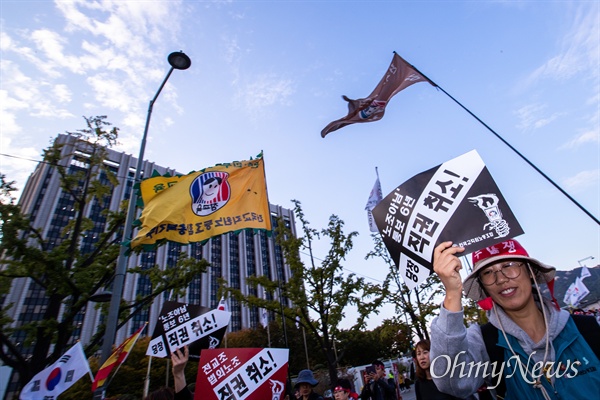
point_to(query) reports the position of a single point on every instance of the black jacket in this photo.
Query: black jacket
(378, 390)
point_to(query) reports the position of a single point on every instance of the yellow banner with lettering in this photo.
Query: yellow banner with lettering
(200, 205)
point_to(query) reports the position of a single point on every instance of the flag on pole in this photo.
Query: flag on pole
(222, 304)
(568, 293)
(59, 376)
(264, 320)
(197, 206)
(579, 292)
(374, 199)
(398, 76)
(116, 358)
(585, 272)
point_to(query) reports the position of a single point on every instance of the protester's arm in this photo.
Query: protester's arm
(453, 345)
(179, 359)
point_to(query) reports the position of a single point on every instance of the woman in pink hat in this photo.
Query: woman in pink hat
(537, 348)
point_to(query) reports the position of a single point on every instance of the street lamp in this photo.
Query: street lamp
(177, 60)
(583, 259)
(101, 297)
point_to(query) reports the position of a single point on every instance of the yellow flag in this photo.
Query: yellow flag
(195, 207)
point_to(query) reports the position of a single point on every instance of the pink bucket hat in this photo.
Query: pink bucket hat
(507, 250)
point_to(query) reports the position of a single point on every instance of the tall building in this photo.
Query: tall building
(233, 257)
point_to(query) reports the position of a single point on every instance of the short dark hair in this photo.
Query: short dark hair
(379, 363)
(164, 393)
(345, 383)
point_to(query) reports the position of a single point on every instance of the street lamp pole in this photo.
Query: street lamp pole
(177, 60)
(583, 259)
(285, 338)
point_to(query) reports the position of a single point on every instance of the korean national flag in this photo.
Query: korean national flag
(59, 376)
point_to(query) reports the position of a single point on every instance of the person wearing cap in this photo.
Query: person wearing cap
(544, 354)
(305, 384)
(377, 386)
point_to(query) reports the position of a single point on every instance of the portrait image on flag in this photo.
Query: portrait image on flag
(242, 374)
(197, 206)
(457, 201)
(398, 76)
(182, 324)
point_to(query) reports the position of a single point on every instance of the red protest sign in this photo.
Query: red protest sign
(242, 374)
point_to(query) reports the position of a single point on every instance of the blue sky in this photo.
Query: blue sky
(269, 75)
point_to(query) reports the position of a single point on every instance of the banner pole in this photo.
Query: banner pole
(147, 381)
(510, 146)
(305, 348)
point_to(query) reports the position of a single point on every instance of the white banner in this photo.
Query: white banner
(579, 292)
(374, 198)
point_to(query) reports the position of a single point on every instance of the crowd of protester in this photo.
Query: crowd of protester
(505, 282)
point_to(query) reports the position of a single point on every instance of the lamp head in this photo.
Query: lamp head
(179, 60)
(101, 297)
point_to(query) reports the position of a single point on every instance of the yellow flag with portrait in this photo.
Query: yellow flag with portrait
(195, 207)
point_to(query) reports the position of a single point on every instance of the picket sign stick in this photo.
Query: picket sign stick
(147, 381)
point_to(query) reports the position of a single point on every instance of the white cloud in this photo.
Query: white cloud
(580, 50)
(116, 47)
(232, 51)
(6, 42)
(532, 117)
(131, 26)
(583, 179)
(266, 91)
(109, 93)
(582, 139)
(8, 123)
(62, 93)
(24, 94)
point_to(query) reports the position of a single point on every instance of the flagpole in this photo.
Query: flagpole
(305, 348)
(268, 331)
(147, 381)
(506, 143)
(89, 370)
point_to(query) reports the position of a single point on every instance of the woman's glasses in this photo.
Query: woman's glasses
(510, 270)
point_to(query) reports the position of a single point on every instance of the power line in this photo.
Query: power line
(49, 163)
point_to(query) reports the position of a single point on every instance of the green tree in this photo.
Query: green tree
(59, 268)
(319, 290)
(417, 305)
(359, 347)
(259, 337)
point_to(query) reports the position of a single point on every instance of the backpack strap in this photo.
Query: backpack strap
(590, 330)
(490, 338)
(586, 325)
